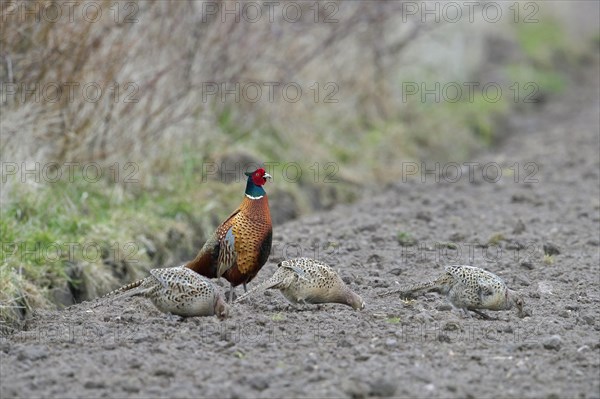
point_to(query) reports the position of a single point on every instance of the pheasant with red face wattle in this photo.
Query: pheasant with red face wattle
(240, 246)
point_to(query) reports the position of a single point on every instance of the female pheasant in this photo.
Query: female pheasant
(179, 291)
(240, 246)
(304, 280)
(470, 288)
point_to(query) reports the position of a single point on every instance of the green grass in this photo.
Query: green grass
(278, 317)
(449, 245)
(48, 229)
(496, 238)
(530, 82)
(406, 239)
(548, 260)
(542, 44)
(540, 41)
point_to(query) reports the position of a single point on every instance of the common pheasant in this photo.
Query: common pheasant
(240, 246)
(179, 291)
(304, 280)
(469, 288)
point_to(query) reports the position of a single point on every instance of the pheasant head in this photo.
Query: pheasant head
(355, 301)
(515, 299)
(221, 307)
(256, 180)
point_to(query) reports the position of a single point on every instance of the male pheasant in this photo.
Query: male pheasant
(179, 291)
(470, 288)
(304, 280)
(240, 246)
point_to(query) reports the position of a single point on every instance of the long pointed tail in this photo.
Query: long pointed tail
(411, 289)
(265, 285)
(124, 288)
(131, 289)
(138, 290)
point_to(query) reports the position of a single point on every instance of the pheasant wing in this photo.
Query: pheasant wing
(485, 288)
(161, 275)
(295, 269)
(227, 253)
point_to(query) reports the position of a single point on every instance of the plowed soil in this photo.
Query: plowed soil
(537, 225)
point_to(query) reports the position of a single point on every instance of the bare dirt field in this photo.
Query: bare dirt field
(537, 226)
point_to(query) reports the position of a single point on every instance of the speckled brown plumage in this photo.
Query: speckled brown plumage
(469, 288)
(179, 291)
(304, 280)
(240, 246)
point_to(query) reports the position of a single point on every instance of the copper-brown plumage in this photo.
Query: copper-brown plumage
(240, 246)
